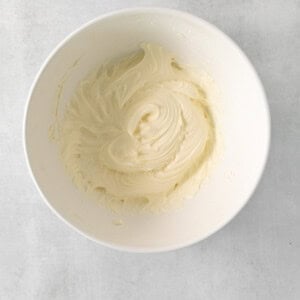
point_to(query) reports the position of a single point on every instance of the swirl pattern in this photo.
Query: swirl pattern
(139, 129)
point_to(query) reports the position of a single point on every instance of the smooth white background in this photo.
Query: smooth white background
(256, 256)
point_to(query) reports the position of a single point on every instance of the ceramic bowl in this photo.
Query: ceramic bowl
(241, 114)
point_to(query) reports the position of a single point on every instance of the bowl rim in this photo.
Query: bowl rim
(184, 15)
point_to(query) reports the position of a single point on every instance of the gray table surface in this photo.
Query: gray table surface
(256, 256)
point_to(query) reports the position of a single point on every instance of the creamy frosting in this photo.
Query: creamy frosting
(138, 130)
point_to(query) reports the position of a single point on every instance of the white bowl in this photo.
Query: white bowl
(242, 118)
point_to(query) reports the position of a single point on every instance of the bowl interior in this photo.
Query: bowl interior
(240, 113)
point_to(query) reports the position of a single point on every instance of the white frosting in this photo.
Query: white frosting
(139, 130)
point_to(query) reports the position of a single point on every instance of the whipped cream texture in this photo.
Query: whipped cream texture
(138, 130)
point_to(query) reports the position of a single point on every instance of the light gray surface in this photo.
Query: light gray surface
(256, 256)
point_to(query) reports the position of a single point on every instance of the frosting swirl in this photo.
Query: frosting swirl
(138, 129)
